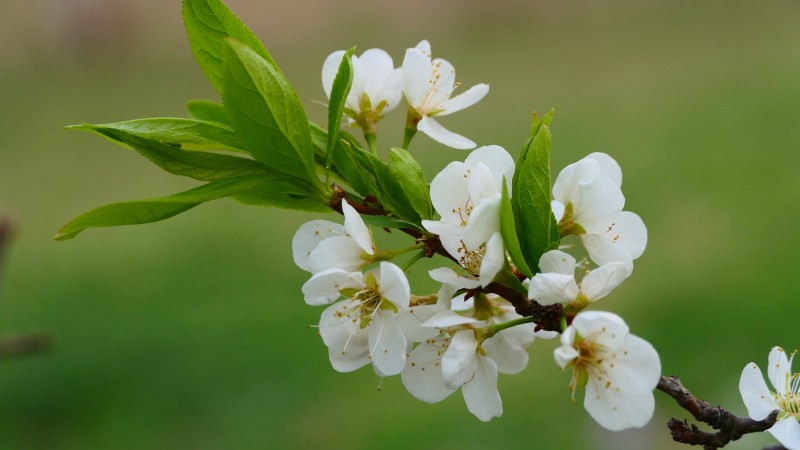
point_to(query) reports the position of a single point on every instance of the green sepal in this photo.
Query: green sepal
(408, 173)
(339, 91)
(508, 229)
(208, 23)
(153, 210)
(536, 226)
(266, 113)
(208, 111)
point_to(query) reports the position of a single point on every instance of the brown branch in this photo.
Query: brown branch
(730, 426)
(25, 344)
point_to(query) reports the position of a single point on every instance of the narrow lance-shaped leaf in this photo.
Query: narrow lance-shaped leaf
(409, 176)
(532, 198)
(339, 92)
(152, 210)
(208, 23)
(188, 134)
(198, 165)
(508, 229)
(267, 115)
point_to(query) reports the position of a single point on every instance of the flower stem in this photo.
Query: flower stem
(370, 137)
(413, 260)
(412, 119)
(494, 329)
(391, 254)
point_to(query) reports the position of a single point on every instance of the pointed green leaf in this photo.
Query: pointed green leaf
(209, 112)
(188, 134)
(532, 198)
(409, 176)
(152, 210)
(198, 165)
(208, 23)
(388, 222)
(508, 228)
(283, 201)
(267, 115)
(339, 92)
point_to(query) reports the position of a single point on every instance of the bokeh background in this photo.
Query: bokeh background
(192, 333)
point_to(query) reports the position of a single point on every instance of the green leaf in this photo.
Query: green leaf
(198, 165)
(388, 222)
(532, 198)
(536, 122)
(508, 229)
(267, 115)
(208, 23)
(283, 201)
(408, 173)
(188, 134)
(209, 112)
(368, 175)
(152, 210)
(339, 92)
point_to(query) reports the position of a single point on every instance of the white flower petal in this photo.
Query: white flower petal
(337, 252)
(387, 344)
(558, 209)
(596, 201)
(448, 319)
(309, 235)
(606, 328)
(556, 261)
(462, 303)
(324, 287)
(424, 46)
(449, 276)
(422, 375)
(394, 285)
(441, 88)
(417, 71)
(357, 229)
(482, 183)
(348, 345)
(509, 357)
(465, 99)
(615, 408)
(493, 260)
(450, 193)
(622, 234)
(602, 280)
(460, 359)
(410, 321)
(442, 135)
(551, 288)
(483, 223)
(329, 69)
(634, 366)
(481, 394)
(378, 67)
(608, 167)
(567, 186)
(497, 159)
(392, 90)
(755, 394)
(564, 355)
(787, 432)
(779, 370)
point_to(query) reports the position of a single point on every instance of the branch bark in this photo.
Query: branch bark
(730, 426)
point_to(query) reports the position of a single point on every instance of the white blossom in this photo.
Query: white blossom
(556, 282)
(319, 245)
(363, 327)
(467, 197)
(458, 357)
(618, 369)
(589, 201)
(376, 88)
(428, 85)
(760, 401)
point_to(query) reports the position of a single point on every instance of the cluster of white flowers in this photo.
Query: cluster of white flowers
(464, 335)
(427, 84)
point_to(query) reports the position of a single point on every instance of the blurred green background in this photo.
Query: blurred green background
(192, 333)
